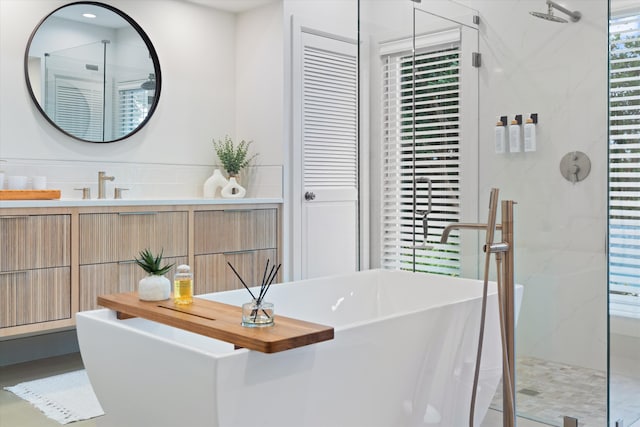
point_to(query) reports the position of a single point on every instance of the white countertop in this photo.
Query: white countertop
(129, 202)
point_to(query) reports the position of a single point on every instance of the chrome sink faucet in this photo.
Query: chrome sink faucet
(102, 177)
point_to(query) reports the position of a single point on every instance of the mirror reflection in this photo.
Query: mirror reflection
(92, 72)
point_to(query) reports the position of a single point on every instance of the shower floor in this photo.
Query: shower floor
(547, 391)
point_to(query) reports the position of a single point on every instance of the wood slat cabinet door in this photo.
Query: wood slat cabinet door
(34, 296)
(34, 241)
(113, 237)
(235, 230)
(213, 274)
(114, 277)
(246, 238)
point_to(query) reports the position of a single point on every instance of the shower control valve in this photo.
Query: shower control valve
(575, 166)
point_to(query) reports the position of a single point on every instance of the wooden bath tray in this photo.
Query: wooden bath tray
(220, 321)
(29, 194)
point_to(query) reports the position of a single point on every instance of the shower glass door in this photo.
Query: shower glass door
(423, 88)
(624, 221)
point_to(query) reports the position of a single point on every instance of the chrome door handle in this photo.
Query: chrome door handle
(309, 196)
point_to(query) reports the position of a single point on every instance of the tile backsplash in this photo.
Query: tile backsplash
(142, 181)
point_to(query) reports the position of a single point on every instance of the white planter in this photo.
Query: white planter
(233, 190)
(154, 288)
(213, 184)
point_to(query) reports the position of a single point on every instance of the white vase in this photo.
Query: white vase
(233, 190)
(214, 183)
(154, 288)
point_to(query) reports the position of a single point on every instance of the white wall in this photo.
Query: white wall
(259, 94)
(172, 155)
(259, 80)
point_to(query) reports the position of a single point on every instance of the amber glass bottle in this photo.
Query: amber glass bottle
(183, 285)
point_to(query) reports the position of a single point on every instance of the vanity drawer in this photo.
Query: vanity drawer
(113, 278)
(113, 237)
(234, 230)
(33, 296)
(34, 241)
(213, 274)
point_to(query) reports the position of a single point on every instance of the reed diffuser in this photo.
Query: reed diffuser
(258, 312)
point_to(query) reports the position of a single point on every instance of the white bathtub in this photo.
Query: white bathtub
(403, 355)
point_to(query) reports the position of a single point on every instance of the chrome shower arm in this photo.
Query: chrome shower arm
(575, 16)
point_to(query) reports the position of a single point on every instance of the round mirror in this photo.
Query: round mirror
(92, 72)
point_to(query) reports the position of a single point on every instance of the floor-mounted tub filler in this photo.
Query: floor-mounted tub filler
(403, 354)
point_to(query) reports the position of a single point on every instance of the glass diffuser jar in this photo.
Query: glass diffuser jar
(257, 314)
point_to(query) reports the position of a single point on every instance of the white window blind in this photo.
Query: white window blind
(134, 104)
(435, 113)
(624, 166)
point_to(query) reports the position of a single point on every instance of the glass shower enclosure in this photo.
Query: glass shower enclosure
(90, 93)
(500, 62)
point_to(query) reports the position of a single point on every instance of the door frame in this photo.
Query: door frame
(294, 186)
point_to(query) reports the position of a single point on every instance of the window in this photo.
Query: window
(135, 103)
(624, 165)
(433, 119)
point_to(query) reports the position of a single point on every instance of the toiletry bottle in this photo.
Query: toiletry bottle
(514, 137)
(500, 138)
(183, 285)
(529, 135)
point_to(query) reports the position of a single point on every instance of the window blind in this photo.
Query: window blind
(133, 108)
(435, 114)
(624, 166)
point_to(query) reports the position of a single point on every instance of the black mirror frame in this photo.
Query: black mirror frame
(152, 53)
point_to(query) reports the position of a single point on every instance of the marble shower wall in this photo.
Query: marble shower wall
(559, 71)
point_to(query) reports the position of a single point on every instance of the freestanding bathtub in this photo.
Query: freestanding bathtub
(403, 355)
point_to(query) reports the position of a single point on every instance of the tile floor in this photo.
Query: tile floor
(15, 412)
(494, 419)
(548, 391)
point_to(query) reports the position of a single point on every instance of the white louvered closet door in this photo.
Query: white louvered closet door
(78, 107)
(329, 149)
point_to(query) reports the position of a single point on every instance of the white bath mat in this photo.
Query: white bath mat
(64, 398)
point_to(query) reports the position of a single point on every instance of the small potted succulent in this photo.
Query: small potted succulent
(154, 287)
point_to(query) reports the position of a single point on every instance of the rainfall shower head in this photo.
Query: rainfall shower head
(549, 16)
(149, 84)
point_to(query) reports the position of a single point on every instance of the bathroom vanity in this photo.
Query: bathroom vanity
(57, 256)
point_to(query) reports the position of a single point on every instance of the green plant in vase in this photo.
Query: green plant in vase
(154, 287)
(233, 158)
